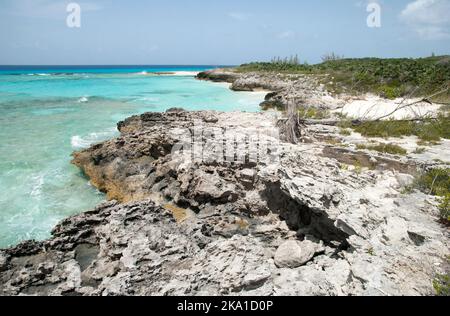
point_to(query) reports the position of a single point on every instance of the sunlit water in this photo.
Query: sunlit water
(45, 116)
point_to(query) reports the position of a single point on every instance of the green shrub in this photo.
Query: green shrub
(385, 148)
(390, 78)
(429, 131)
(442, 285)
(385, 129)
(435, 182)
(389, 92)
(345, 132)
(444, 208)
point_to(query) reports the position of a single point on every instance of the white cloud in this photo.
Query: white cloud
(45, 8)
(286, 34)
(239, 16)
(428, 18)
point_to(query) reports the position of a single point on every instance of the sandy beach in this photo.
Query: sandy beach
(374, 107)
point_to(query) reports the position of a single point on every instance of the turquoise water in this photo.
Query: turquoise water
(47, 114)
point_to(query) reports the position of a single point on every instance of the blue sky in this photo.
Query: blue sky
(217, 32)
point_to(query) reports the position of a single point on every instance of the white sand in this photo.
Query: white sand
(373, 107)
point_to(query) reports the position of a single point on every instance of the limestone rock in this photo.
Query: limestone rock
(404, 180)
(305, 89)
(240, 222)
(294, 254)
(3, 261)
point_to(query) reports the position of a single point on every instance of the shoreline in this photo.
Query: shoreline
(289, 221)
(48, 193)
(254, 213)
(306, 90)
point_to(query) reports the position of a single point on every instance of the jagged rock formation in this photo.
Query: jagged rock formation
(305, 90)
(295, 224)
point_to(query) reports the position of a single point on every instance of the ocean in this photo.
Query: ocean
(46, 113)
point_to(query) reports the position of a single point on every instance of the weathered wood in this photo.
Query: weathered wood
(359, 122)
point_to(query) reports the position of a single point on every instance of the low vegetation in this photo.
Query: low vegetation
(444, 207)
(345, 132)
(332, 57)
(384, 148)
(442, 285)
(389, 78)
(428, 130)
(313, 113)
(436, 182)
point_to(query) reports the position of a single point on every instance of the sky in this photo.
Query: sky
(215, 32)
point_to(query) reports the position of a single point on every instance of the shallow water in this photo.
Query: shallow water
(45, 116)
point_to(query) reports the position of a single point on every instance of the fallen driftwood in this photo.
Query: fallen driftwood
(401, 106)
(359, 122)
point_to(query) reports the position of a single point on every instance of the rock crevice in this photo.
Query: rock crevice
(297, 225)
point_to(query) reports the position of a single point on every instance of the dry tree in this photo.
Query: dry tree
(291, 126)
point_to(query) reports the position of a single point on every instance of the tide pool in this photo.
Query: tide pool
(46, 114)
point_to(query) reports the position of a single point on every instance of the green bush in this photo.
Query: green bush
(385, 129)
(385, 148)
(444, 207)
(442, 285)
(389, 92)
(390, 78)
(345, 132)
(431, 130)
(435, 182)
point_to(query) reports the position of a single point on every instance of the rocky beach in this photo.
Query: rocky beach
(321, 216)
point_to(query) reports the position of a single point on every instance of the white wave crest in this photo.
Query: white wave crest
(79, 142)
(40, 75)
(147, 99)
(83, 100)
(38, 182)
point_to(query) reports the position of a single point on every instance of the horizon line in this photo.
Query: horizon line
(116, 65)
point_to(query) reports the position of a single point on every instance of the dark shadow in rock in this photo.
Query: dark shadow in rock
(301, 218)
(85, 254)
(417, 239)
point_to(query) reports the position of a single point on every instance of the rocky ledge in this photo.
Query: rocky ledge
(297, 223)
(302, 89)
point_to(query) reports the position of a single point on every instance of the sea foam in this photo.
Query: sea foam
(79, 142)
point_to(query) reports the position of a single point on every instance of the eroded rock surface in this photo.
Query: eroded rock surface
(297, 225)
(285, 88)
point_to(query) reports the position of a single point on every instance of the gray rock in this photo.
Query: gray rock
(3, 261)
(248, 174)
(181, 227)
(211, 119)
(404, 180)
(293, 254)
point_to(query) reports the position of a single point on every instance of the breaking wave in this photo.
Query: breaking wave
(83, 100)
(79, 142)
